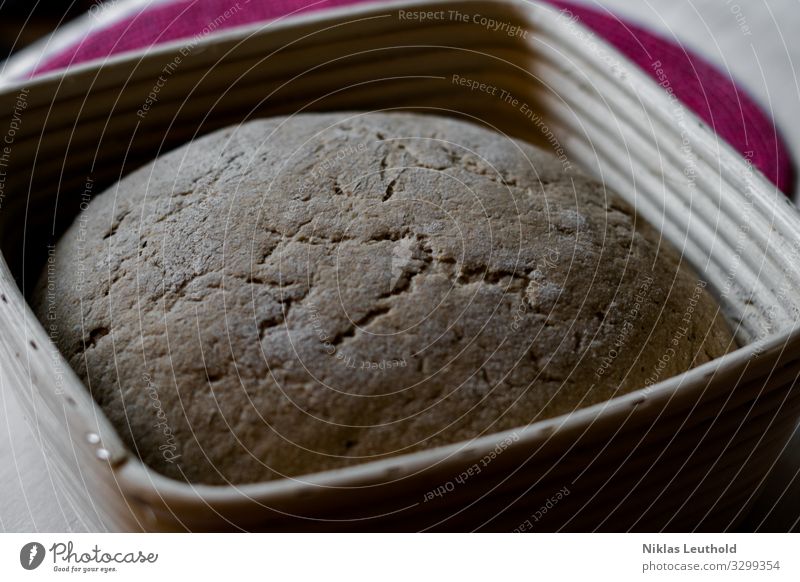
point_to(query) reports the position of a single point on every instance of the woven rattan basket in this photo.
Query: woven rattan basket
(687, 453)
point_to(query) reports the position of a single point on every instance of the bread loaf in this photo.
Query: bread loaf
(303, 293)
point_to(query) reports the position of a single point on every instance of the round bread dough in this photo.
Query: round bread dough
(303, 293)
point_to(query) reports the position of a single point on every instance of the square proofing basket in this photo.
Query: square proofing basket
(687, 453)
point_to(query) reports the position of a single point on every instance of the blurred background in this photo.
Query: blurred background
(24, 21)
(756, 42)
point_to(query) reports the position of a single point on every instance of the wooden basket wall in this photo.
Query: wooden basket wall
(689, 452)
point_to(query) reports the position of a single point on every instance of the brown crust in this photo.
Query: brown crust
(299, 294)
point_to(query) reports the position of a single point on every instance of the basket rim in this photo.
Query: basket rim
(143, 481)
(373, 473)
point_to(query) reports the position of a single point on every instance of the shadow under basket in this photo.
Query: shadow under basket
(687, 453)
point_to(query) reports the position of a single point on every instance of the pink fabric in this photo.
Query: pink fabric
(712, 95)
(177, 20)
